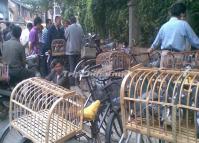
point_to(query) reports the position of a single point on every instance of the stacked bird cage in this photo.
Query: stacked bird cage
(147, 59)
(180, 60)
(163, 104)
(111, 61)
(45, 112)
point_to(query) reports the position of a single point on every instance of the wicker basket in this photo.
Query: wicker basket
(113, 60)
(162, 104)
(58, 47)
(44, 112)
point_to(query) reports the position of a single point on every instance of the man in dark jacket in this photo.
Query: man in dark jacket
(55, 31)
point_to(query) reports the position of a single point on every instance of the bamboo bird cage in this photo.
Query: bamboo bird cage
(180, 60)
(45, 112)
(58, 47)
(163, 104)
(112, 60)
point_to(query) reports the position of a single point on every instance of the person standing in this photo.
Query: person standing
(7, 31)
(44, 48)
(55, 31)
(24, 39)
(174, 34)
(73, 36)
(66, 23)
(33, 36)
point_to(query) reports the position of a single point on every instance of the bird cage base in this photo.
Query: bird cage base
(26, 123)
(181, 138)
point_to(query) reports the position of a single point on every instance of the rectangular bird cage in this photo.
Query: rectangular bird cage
(4, 72)
(58, 47)
(162, 104)
(180, 60)
(147, 59)
(45, 112)
(113, 60)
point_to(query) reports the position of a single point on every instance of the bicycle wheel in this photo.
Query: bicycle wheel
(114, 128)
(10, 135)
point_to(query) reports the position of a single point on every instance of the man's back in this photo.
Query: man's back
(74, 35)
(174, 35)
(13, 53)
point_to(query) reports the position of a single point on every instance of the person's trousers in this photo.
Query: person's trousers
(73, 61)
(43, 66)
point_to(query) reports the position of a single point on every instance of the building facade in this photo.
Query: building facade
(4, 10)
(19, 12)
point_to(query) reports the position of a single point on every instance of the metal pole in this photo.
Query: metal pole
(130, 23)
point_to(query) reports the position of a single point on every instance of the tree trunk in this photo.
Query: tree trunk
(133, 23)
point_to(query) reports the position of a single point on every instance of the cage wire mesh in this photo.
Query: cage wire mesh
(45, 112)
(161, 103)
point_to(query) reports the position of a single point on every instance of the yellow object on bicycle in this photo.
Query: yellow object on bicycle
(91, 111)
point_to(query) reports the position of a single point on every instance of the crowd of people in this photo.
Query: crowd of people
(36, 40)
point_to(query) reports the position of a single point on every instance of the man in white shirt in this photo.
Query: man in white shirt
(174, 34)
(24, 39)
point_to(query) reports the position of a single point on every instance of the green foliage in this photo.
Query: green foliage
(153, 13)
(109, 18)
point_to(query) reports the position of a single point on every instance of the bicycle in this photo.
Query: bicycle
(96, 123)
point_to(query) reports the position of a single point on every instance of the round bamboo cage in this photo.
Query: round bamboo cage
(163, 104)
(180, 60)
(45, 112)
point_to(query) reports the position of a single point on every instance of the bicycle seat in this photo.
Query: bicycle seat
(90, 112)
